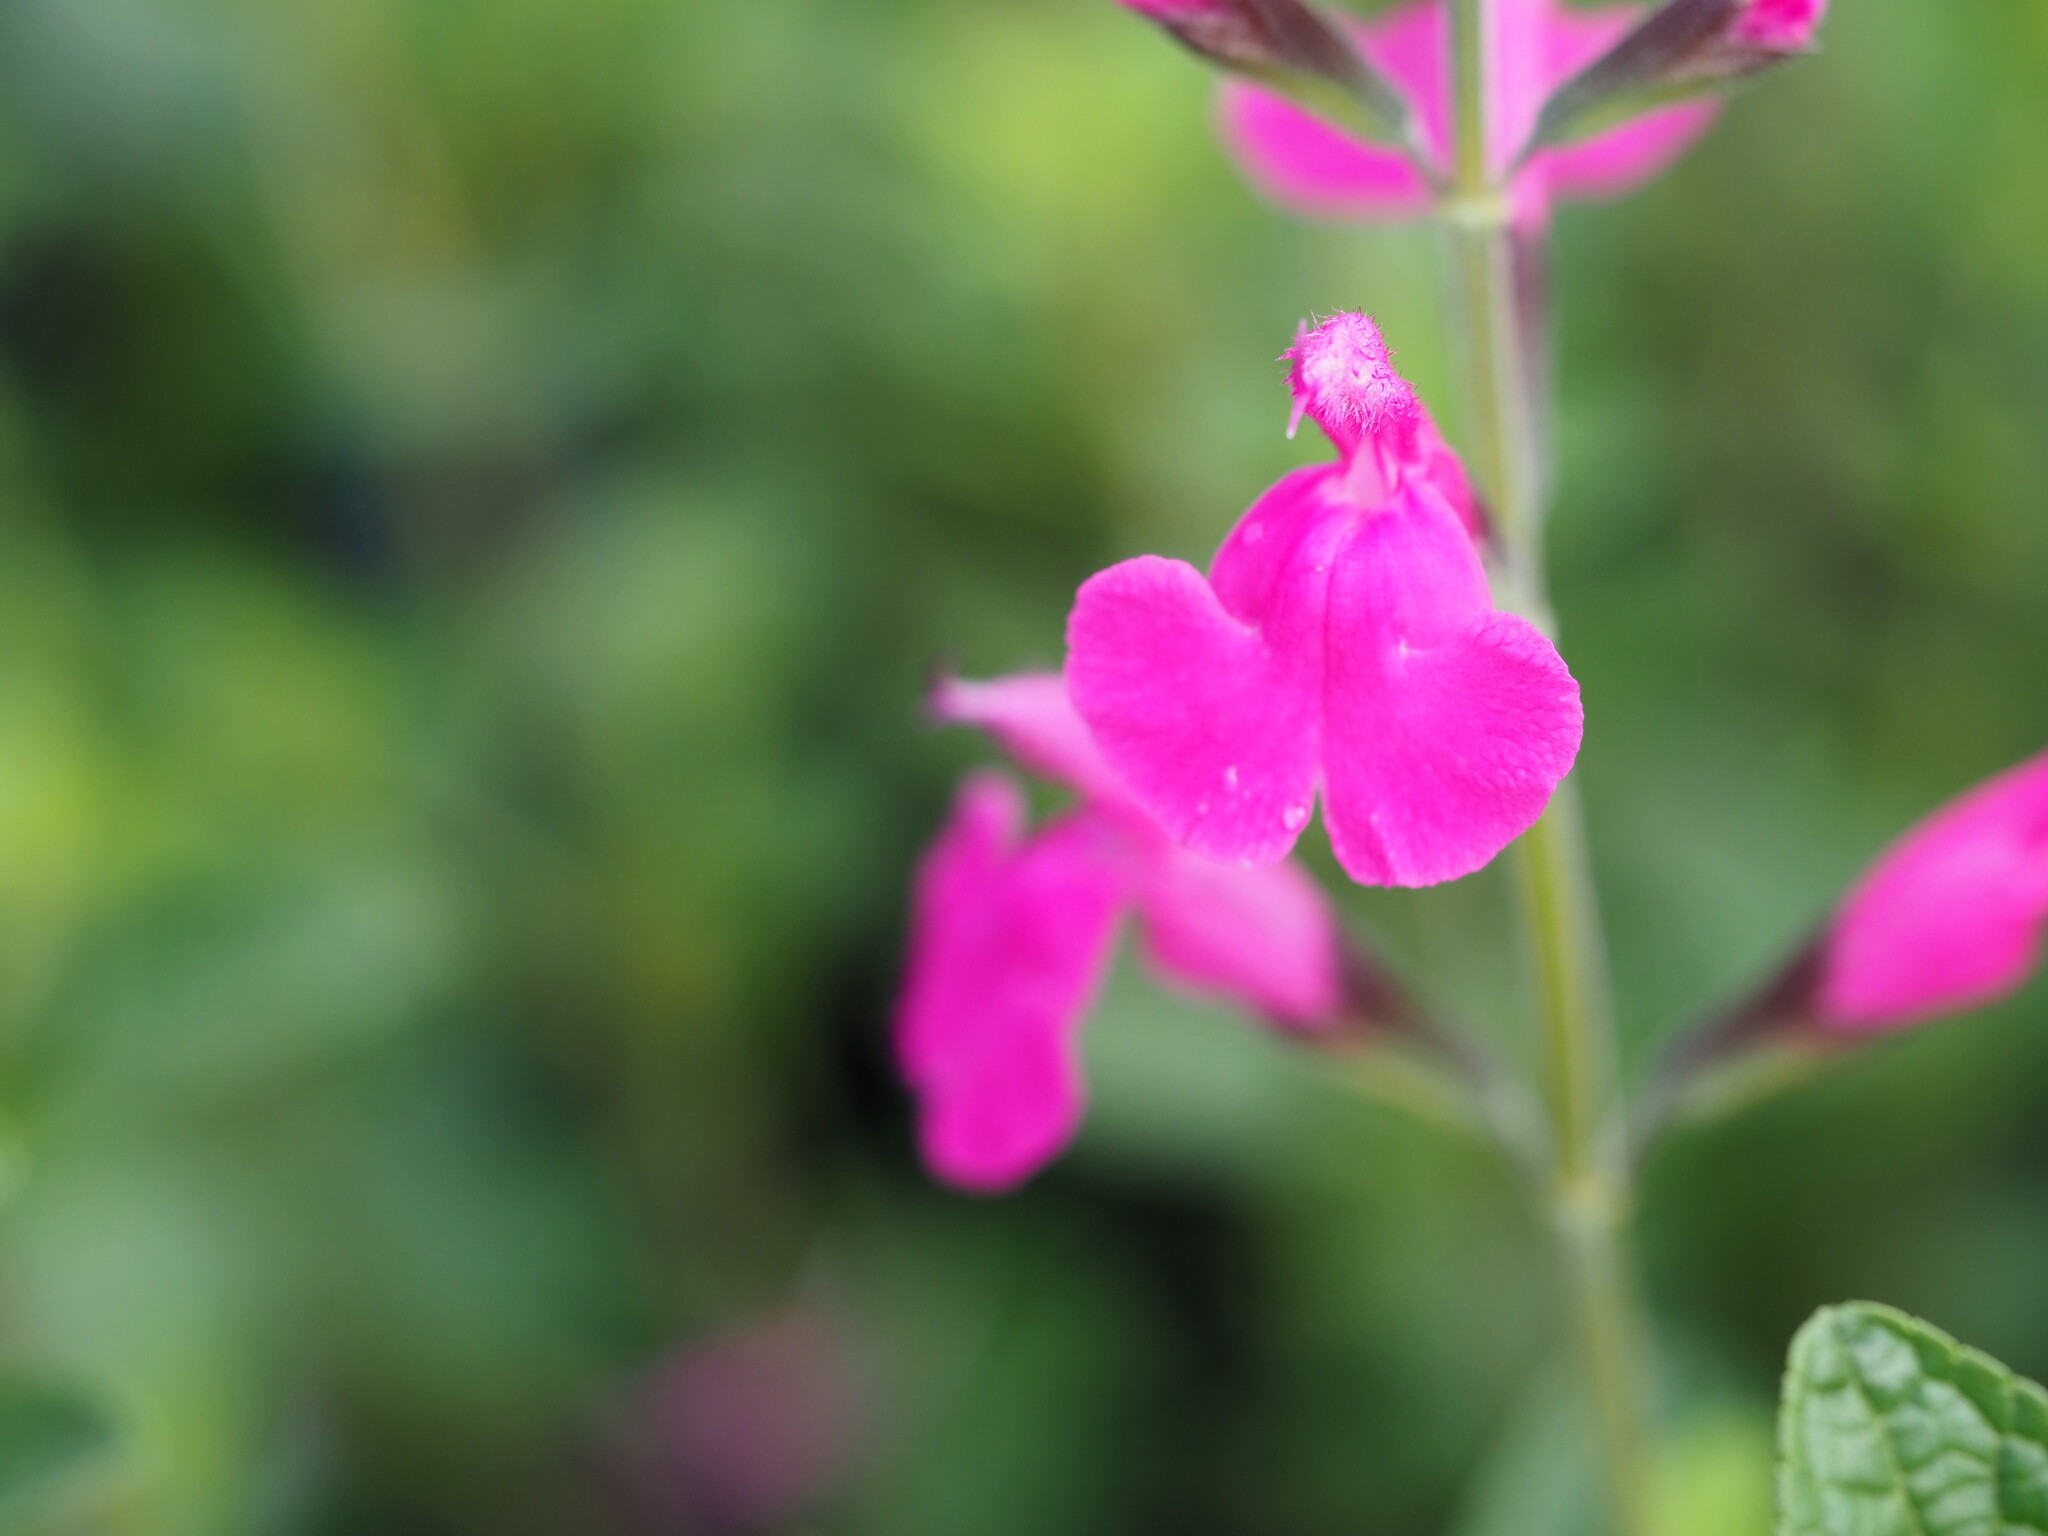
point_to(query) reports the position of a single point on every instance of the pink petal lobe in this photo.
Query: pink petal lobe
(1209, 717)
(1030, 714)
(1575, 38)
(1411, 46)
(1265, 937)
(1448, 724)
(1623, 158)
(1259, 567)
(1309, 166)
(1438, 463)
(1951, 916)
(1204, 696)
(1008, 946)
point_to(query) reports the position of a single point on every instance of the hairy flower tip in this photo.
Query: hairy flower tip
(1780, 24)
(1343, 377)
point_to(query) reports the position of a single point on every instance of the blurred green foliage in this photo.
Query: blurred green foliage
(481, 488)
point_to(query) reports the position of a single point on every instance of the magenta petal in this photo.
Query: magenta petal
(1309, 165)
(1265, 937)
(1008, 948)
(1951, 916)
(1575, 38)
(1411, 46)
(1259, 568)
(1623, 158)
(1305, 164)
(1449, 725)
(1205, 700)
(1626, 156)
(1030, 714)
(1780, 24)
(1438, 463)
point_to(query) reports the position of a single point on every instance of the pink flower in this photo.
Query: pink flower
(1306, 164)
(746, 1429)
(1950, 916)
(1345, 641)
(1011, 934)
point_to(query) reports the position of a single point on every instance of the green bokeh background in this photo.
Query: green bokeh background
(482, 486)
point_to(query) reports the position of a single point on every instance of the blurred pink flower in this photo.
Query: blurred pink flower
(1950, 916)
(1306, 164)
(746, 1429)
(1345, 641)
(1011, 934)
(1177, 10)
(1782, 26)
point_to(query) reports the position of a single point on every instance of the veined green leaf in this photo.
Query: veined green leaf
(1889, 1427)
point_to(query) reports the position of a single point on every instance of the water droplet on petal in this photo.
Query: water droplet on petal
(1294, 818)
(1254, 532)
(1201, 807)
(1230, 775)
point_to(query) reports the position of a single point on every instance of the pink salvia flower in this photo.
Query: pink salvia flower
(746, 1429)
(1273, 939)
(1344, 642)
(1785, 26)
(1306, 164)
(1011, 933)
(1950, 917)
(1009, 942)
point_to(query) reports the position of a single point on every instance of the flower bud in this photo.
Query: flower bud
(1292, 47)
(1218, 30)
(1779, 26)
(1950, 917)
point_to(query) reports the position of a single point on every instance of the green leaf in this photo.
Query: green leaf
(47, 1436)
(1889, 1427)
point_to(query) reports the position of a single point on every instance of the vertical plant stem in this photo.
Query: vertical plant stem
(1591, 1222)
(1588, 1192)
(1468, 93)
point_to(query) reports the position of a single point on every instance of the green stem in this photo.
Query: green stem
(1558, 912)
(1588, 1189)
(1591, 1224)
(1468, 89)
